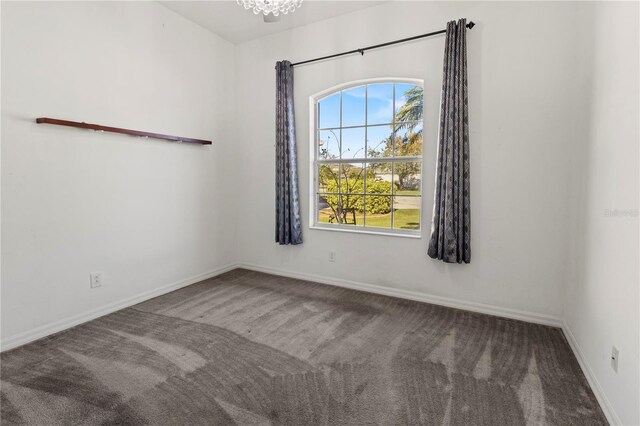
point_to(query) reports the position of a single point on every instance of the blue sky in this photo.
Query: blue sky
(379, 110)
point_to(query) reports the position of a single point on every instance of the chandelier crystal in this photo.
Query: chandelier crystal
(274, 7)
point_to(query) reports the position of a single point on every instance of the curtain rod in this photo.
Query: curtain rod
(361, 51)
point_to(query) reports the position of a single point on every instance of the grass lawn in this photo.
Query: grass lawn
(408, 192)
(403, 219)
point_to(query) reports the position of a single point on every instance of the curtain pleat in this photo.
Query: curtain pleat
(288, 226)
(451, 225)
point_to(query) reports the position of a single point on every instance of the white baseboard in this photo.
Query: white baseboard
(604, 402)
(46, 330)
(414, 295)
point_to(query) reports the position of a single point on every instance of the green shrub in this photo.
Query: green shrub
(375, 205)
(379, 205)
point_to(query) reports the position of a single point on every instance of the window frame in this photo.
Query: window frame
(315, 162)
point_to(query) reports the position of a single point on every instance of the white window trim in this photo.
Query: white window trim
(313, 169)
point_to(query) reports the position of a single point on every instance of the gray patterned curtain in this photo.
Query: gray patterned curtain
(451, 227)
(288, 228)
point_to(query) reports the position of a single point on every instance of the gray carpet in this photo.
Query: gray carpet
(250, 348)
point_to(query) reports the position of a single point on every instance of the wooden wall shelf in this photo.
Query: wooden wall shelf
(99, 128)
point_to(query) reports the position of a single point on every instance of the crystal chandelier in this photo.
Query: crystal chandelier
(274, 7)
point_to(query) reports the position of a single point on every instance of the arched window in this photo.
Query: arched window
(367, 157)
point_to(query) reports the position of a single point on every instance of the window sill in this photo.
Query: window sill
(369, 231)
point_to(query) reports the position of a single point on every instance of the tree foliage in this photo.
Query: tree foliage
(342, 183)
(412, 110)
(374, 204)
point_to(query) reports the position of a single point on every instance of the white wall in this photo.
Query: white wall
(146, 213)
(521, 93)
(602, 300)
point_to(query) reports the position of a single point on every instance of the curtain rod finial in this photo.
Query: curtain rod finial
(471, 24)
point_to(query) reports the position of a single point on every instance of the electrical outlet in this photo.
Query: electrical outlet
(615, 354)
(332, 255)
(96, 279)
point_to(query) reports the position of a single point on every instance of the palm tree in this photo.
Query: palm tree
(408, 117)
(411, 112)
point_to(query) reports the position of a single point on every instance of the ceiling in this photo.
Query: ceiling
(232, 22)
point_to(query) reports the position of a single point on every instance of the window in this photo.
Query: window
(367, 158)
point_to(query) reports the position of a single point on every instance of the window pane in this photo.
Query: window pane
(351, 213)
(378, 178)
(329, 111)
(407, 178)
(327, 208)
(353, 143)
(380, 103)
(409, 102)
(340, 209)
(406, 212)
(328, 177)
(378, 211)
(352, 178)
(379, 141)
(329, 144)
(408, 141)
(376, 187)
(353, 106)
